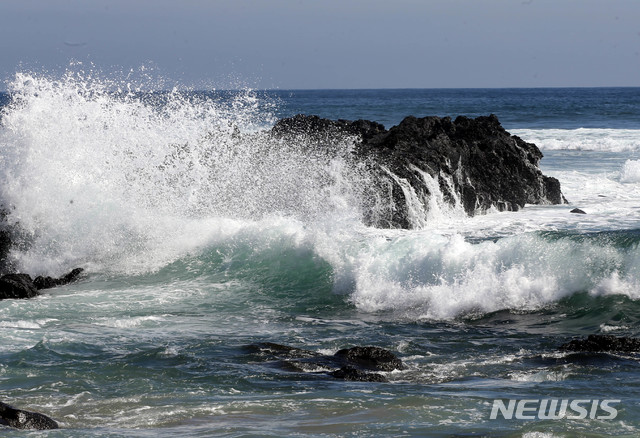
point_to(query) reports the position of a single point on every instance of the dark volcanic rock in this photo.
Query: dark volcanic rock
(22, 286)
(20, 419)
(353, 364)
(270, 350)
(371, 358)
(474, 163)
(356, 375)
(49, 282)
(323, 129)
(17, 286)
(7, 232)
(578, 211)
(5, 247)
(603, 343)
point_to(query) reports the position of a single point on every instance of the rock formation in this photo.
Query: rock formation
(603, 343)
(354, 364)
(17, 286)
(474, 163)
(22, 286)
(19, 419)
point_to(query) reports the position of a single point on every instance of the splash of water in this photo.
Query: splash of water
(126, 182)
(630, 172)
(96, 172)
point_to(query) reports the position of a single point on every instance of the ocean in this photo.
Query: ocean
(198, 237)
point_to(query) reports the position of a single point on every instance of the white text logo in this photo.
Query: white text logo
(554, 409)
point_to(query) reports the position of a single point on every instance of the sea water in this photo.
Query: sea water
(200, 234)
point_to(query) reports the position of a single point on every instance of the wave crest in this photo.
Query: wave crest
(92, 170)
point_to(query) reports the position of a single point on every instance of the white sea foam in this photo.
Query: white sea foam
(630, 172)
(110, 178)
(543, 375)
(584, 139)
(427, 275)
(116, 183)
(131, 322)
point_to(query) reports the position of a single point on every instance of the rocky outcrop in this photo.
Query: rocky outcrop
(320, 129)
(371, 358)
(603, 343)
(473, 163)
(41, 282)
(21, 286)
(354, 364)
(17, 286)
(19, 419)
(7, 234)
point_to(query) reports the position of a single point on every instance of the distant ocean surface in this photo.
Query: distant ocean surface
(198, 239)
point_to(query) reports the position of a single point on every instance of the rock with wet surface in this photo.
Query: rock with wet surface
(603, 343)
(353, 364)
(474, 163)
(21, 286)
(17, 286)
(19, 419)
(48, 282)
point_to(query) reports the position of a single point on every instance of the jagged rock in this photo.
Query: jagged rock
(371, 358)
(5, 247)
(41, 282)
(22, 286)
(603, 343)
(10, 416)
(474, 163)
(319, 129)
(7, 231)
(356, 375)
(578, 211)
(17, 286)
(353, 364)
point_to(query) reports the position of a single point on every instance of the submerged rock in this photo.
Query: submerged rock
(270, 350)
(354, 364)
(578, 211)
(355, 375)
(371, 358)
(603, 343)
(474, 164)
(19, 419)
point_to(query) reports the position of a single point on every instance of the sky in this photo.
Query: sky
(314, 44)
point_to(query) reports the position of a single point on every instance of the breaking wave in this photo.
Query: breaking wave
(128, 183)
(583, 139)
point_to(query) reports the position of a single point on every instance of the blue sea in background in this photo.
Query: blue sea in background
(533, 108)
(199, 236)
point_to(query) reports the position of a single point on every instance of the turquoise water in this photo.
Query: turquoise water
(197, 242)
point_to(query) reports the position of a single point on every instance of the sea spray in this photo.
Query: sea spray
(426, 275)
(128, 183)
(114, 178)
(476, 307)
(630, 172)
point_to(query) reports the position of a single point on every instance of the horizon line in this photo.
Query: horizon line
(197, 90)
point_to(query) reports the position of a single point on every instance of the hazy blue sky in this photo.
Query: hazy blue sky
(332, 43)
